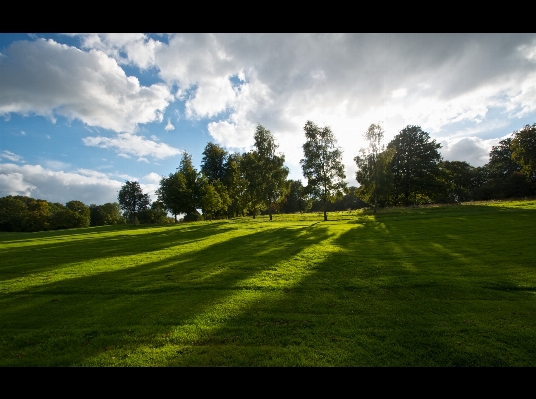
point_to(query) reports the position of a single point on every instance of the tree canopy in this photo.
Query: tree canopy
(132, 200)
(322, 165)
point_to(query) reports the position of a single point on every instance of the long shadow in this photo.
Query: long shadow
(53, 255)
(387, 292)
(86, 315)
(391, 297)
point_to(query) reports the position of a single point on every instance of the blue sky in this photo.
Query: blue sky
(82, 113)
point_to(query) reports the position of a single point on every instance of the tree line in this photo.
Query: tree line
(21, 213)
(408, 170)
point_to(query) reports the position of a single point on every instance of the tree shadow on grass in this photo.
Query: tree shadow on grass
(388, 297)
(67, 321)
(48, 256)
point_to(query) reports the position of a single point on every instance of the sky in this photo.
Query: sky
(80, 114)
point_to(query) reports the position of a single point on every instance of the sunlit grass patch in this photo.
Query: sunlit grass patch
(429, 286)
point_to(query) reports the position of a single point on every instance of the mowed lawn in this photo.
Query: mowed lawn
(435, 286)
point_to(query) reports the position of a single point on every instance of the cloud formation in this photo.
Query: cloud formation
(126, 144)
(11, 156)
(49, 79)
(86, 185)
(57, 186)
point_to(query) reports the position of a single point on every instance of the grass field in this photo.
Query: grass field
(435, 286)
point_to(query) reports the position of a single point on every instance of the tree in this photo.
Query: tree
(106, 214)
(235, 183)
(265, 172)
(373, 166)
(180, 191)
(169, 193)
(12, 213)
(37, 218)
(460, 179)
(295, 200)
(501, 163)
(523, 146)
(252, 197)
(322, 165)
(156, 214)
(213, 162)
(415, 166)
(132, 200)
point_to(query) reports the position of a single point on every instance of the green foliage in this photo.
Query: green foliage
(501, 164)
(295, 199)
(213, 162)
(180, 191)
(523, 147)
(132, 200)
(264, 172)
(374, 167)
(460, 180)
(322, 165)
(415, 167)
(236, 184)
(12, 211)
(106, 214)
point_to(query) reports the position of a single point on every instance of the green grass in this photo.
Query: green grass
(431, 286)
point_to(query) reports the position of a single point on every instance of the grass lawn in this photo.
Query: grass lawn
(434, 286)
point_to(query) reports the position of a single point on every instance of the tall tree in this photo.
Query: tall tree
(272, 167)
(322, 165)
(132, 200)
(169, 193)
(373, 171)
(501, 163)
(415, 166)
(235, 183)
(213, 162)
(180, 191)
(523, 148)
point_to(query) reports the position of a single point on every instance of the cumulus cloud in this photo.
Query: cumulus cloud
(152, 178)
(235, 81)
(432, 80)
(138, 48)
(472, 150)
(34, 181)
(46, 78)
(126, 144)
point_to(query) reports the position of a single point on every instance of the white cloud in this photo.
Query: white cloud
(152, 178)
(34, 181)
(14, 184)
(11, 156)
(126, 144)
(138, 48)
(141, 159)
(169, 126)
(23, 133)
(472, 150)
(211, 97)
(49, 79)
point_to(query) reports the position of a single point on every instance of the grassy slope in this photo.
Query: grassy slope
(440, 286)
